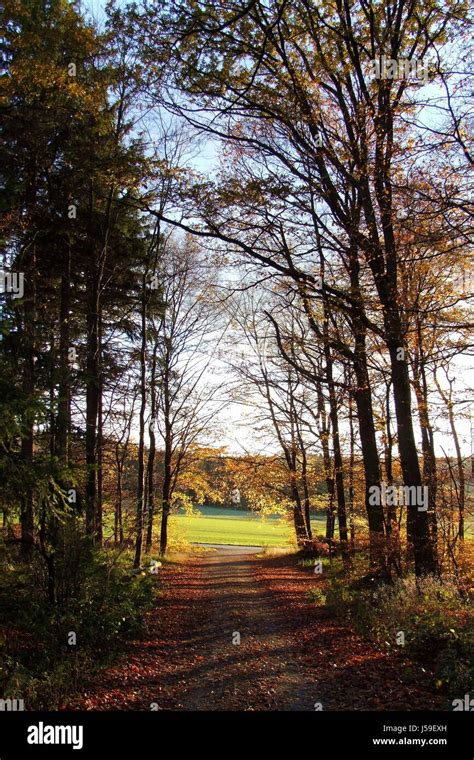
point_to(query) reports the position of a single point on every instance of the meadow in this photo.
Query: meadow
(217, 525)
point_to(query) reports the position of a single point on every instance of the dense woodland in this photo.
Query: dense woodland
(219, 224)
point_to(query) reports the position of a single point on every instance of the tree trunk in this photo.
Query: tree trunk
(324, 432)
(151, 457)
(459, 463)
(351, 473)
(393, 529)
(338, 464)
(370, 456)
(165, 497)
(365, 416)
(27, 520)
(427, 446)
(418, 532)
(100, 441)
(63, 420)
(92, 407)
(140, 511)
(118, 522)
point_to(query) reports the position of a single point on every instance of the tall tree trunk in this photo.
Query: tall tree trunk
(427, 436)
(100, 441)
(418, 532)
(166, 494)
(92, 406)
(393, 529)
(168, 449)
(118, 520)
(459, 463)
(49, 533)
(301, 530)
(27, 520)
(370, 456)
(301, 506)
(305, 484)
(298, 519)
(94, 362)
(338, 463)
(351, 473)
(382, 258)
(140, 510)
(151, 456)
(324, 432)
(63, 421)
(365, 416)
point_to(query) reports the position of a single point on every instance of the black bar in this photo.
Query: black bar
(155, 734)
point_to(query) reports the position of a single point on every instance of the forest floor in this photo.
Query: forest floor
(293, 655)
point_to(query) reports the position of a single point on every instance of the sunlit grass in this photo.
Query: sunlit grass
(222, 526)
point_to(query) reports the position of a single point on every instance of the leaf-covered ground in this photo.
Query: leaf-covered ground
(292, 654)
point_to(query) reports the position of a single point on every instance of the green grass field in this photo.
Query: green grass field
(216, 525)
(223, 526)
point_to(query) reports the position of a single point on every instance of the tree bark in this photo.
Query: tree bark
(27, 518)
(92, 406)
(140, 509)
(151, 457)
(459, 463)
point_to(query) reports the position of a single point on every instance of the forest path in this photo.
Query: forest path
(292, 655)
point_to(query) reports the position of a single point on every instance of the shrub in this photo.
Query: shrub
(436, 621)
(99, 599)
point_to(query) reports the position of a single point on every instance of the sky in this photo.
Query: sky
(236, 423)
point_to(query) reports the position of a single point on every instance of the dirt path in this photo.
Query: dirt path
(291, 655)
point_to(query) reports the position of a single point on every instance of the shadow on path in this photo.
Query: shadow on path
(233, 630)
